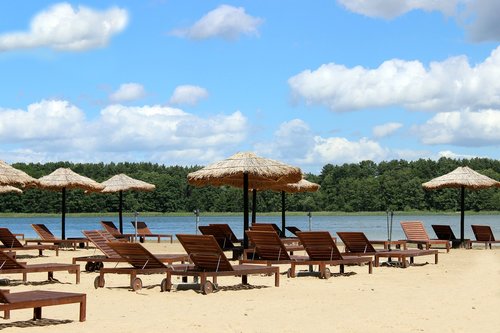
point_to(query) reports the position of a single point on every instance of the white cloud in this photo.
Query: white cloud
(464, 128)
(384, 130)
(481, 17)
(388, 9)
(340, 150)
(225, 21)
(188, 95)
(57, 130)
(63, 27)
(128, 92)
(448, 85)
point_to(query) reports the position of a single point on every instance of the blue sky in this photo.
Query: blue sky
(192, 82)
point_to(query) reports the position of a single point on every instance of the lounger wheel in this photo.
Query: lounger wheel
(326, 274)
(136, 284)
(89, 267)
(207, 288)
(163, 285)
(4, 282)
(98, 266)
(98, 282)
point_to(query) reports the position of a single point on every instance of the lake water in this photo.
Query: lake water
(375, 227)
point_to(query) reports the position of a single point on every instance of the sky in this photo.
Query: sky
(304, 82)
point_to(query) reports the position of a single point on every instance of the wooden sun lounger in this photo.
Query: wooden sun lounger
(143, 232)
(356, 243)
(110, 227)
(209, 261)
(37, 299)
(228, 231)
(322, 251)
(416, 234)
(48, 237)
(222, 239)
(268, 249)
(484, 234)
(445, 232)
(11, 243)
(274, 228)
(101, 240)
(141, 260)
(9, 265)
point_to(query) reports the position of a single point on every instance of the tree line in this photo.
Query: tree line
(351, 187)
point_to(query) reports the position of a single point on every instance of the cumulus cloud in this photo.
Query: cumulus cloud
(384, 130)
(465, 128)
(481, 20)
(225, 21)
(57, 130)
(389, 9)
(63, 27)
(128, 92)
(451, 84)
(188, 95)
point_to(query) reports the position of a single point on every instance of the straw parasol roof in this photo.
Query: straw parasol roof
(68, 179)
(12, 176)
(65, 178)
(261, 172)
(461, 177)
(122, 182)
(9, 189)
(302, 185)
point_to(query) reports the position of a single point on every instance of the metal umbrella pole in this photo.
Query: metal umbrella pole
(135, 225)
(197, 220)
(309, 214)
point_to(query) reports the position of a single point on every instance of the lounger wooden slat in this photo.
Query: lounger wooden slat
(416, 234)
(48, 237)
(110, 227)
(222, 239)
(484, 234)
(144, 232)
(228, 231)
(11, 243)
(9, 265)
(210, 262)
(37, 299)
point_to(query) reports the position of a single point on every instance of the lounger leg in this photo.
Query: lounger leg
(377, 261)
(214, 280)
(370, 267)
(78, 275)
(37, 313)
(341, 269)
(83, 308)
(168, 286)
(40, 252)
(25, 277)
(436, 258)
(292, 269)
(57, 251)
(6, 314)
(277, 277)
(403, 262)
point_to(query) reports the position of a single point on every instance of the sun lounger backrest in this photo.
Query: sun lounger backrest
(265, 227)
(100, 242)
(319, 245)
(142, 228)
(108, 236)
(356, 242)
(483, 233)
(8, 239)
(111, 228)
(137, 255)
(8, 262)
(444, 232)
(43, 232)
(205, 253)
(227, 230)
(414, 230)
(219, 235)
(293, 230)
(268, 245)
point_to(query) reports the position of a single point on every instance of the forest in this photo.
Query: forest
(354, 187)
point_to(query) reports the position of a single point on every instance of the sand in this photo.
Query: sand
(459, 294)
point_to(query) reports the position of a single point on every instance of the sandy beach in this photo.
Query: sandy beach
(459, 294)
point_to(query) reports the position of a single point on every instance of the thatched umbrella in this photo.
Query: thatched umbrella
(120, 183)
(62, 179)
(245, 170)
(9, 189)
(14, 177)
(298, 187)
(462, 178)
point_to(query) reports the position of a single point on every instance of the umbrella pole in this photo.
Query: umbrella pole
(120, 209)
(244, 279)
(63, 218)
(254, 205)
(283, 222)
(462, 214)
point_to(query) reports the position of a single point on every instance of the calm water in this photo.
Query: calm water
(375, 227)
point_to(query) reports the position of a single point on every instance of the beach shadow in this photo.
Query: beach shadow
(34, 323)
(29, 256)
(15, 283)
(196, 287)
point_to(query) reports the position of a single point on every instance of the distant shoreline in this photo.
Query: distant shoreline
(128, 214)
